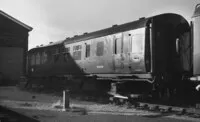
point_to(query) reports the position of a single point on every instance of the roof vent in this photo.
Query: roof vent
(115, 25)
(41, 45)
(141, 18)
(75, 35)
(37, 46)
(50, 42)
(85, 33)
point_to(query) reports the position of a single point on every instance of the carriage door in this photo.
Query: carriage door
(137, 43)
(117, 52)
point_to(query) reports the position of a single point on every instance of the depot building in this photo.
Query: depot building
(13, 48)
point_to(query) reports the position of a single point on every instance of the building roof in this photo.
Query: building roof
(15, 20)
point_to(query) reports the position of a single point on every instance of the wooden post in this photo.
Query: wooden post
(113, 88)
(66, 100)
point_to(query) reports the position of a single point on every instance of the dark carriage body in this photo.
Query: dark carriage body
(50, 60)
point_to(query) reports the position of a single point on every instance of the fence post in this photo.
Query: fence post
(66, 101)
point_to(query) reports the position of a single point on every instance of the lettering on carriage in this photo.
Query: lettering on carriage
(100, 66)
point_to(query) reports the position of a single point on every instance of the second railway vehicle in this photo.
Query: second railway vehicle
(150, 54)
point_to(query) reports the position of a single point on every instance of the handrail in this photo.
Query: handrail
(197, 6)
(197, 10)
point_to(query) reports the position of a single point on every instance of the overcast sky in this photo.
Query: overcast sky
(54, 20)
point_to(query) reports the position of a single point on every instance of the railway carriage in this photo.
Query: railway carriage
(147, 46)
(150, 51)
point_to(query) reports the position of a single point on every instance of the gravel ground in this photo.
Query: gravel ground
(48, 107)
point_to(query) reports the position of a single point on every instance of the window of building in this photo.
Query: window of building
(37, 59)
(33, 59)
(87, 50)
(77, 52)
(100, 48)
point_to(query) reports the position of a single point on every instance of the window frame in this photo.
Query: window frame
(77, 50)
(138, 40)
(32, 61)
(118, 43)
(99, 50)
(87, 50)
(44, 57)
(38, 59)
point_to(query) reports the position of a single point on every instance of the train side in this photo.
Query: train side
(154, 50)
(143, 49)
(49, 61)
(110, 54)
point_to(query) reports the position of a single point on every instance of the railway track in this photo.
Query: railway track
(155, 107)
(7, 115)
(132, 103)
(160, 107)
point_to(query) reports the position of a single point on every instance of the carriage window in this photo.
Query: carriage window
(137, 44)
(37, 59)
(87, 51)
(137, 40)
(100, 48)
(62, 50)
(67, 50)
(115, 46)
(33, 59)
(44, 57)
(77, 52)
(56, 51)
(67, 53)
(118, 44)
(126, 42)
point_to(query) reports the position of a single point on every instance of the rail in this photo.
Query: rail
(8, 115)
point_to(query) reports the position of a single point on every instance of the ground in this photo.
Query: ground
(48, 108)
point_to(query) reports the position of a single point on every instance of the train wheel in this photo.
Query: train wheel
(161, 93)
(155, 94)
